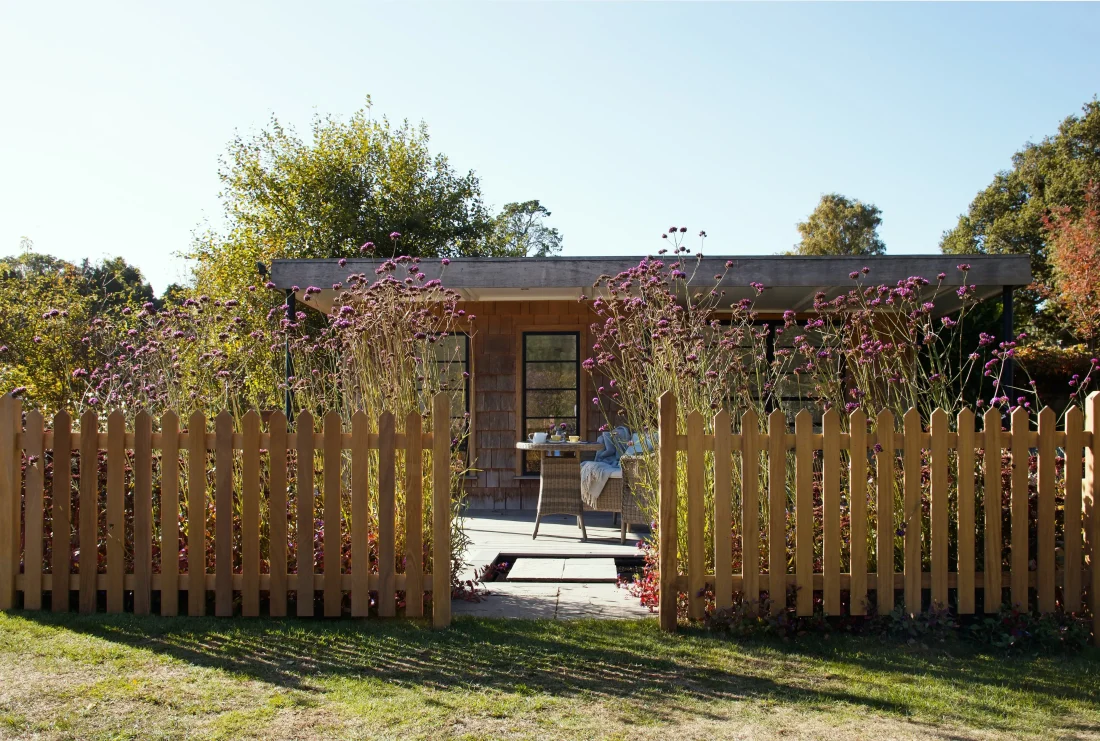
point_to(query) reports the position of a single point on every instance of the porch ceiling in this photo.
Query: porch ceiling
(791, 281)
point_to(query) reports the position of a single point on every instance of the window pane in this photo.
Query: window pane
(452, 347)
(552, 375)
(551, 404)
(551, 346)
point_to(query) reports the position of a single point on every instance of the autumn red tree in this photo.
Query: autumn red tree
(1074, 244)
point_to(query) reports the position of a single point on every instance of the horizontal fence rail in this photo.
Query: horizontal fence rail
(934, 474)
(116, 501)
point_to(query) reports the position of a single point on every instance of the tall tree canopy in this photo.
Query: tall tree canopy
(356, 181)
(1007, 216)
(841, 226)
(519, 231)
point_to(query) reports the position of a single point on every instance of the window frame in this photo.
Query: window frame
(521, 385)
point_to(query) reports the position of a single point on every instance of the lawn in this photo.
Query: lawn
(126, 677)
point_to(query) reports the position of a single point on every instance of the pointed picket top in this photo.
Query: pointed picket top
(1074, 418)
(196, 425)
(142, 417)
(965, 419)
(831, 419)
(749, 422)
(1047, 418)
(387, 418)
(695, 418)
(884, 420)
(169, 418)
(721, 421)
(276, 421)
(803, 418)
(991, 420)
(777, 421)
(857, 420)
(61, 418)
(360, 418)
(116, 418)
(89, 421)
(34, 419)
(939, 419)
(1019, 419)
(223, 417)
(912, 420)
(333, 421)
(304, 423)
(250, 415)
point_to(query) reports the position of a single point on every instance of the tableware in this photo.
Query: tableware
(555, 439)
(537, 437)
(574, 438)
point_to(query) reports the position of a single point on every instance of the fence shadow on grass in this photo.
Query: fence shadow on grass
(627, 661)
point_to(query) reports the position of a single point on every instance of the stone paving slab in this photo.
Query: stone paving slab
(590, 570)
(537, 569)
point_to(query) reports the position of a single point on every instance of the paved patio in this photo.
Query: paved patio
(508, 532)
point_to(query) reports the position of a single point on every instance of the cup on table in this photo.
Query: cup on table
(574, 438)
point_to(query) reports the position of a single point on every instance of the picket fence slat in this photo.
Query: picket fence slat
(414, 518)
(196, 516)
(830, 501)
(89, 513)
(304, 498)
(911, 510)
(723, 512)
(965, 511)
(940, 505)
(991, 480)
(360, 515)
(804, 513)
(857, 505)
(330, 542)
(143, 513)
(169, 516)
(695, 515)
(250, 515)
(441, 512)
(387, 525)
(223, 515)
(884, 501)
(1045, 490)
(667, 496)
(777, 508)
(1091, 485)
(32, 563)
(277, 514)
(62, 511)
(1071, 585)
(1019, 508)
(750, 505)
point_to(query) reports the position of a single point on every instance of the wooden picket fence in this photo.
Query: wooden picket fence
(1080, 439)
(22, 517)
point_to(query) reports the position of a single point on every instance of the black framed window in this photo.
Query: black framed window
(551, 386)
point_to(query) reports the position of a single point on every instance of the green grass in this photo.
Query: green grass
(125, 677)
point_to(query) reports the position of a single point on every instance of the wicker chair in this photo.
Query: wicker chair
(633, 494)
(560, 490)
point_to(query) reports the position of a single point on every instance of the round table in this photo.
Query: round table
(560, 480)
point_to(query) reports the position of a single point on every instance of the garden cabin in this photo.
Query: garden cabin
(531, 332)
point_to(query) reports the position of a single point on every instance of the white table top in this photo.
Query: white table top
(548, 446)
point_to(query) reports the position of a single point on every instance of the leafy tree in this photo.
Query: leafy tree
(1074, 244)
(1007, 216)
(48, 309)
(519, 231)
(841, 226)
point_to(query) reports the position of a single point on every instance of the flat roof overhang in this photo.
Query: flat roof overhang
(790, 281)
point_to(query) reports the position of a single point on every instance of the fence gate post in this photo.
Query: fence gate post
(667, 444)
(441, 511)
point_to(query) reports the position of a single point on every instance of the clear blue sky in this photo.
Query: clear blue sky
(622, 118)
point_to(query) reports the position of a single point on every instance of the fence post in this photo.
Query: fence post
(1092, 490)
(9, 498)
(666, 423)
(441, 511)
